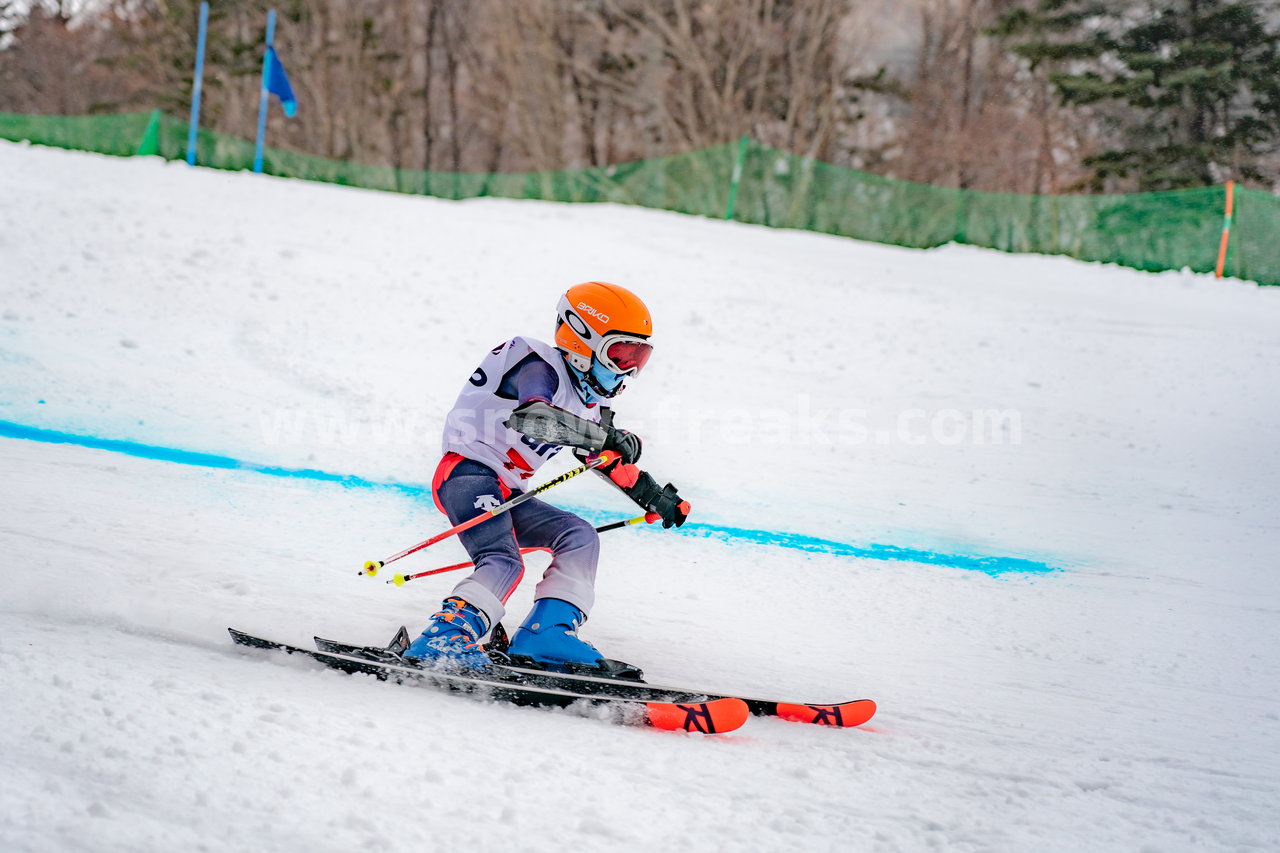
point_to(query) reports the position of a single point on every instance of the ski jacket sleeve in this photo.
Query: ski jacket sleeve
(531, 379)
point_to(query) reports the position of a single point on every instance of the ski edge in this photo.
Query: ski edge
(847, 714)
(704, 714)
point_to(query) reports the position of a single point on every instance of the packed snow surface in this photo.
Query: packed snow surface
(1118, 427)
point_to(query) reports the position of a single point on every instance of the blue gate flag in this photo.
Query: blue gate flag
(278, 83)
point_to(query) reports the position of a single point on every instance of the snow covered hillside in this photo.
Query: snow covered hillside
(1027, 504)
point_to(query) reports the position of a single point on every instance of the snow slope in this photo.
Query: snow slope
(803, 385)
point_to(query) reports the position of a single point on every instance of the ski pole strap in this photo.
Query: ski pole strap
(604, 457)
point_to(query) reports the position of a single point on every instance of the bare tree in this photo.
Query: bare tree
(541, 85)
(978, 118)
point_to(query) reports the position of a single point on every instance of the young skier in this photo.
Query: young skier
(524, 402)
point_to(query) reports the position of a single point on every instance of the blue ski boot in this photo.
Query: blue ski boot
(549, 637)
(451, 640)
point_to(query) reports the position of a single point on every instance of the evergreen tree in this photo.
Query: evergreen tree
(1189, 89)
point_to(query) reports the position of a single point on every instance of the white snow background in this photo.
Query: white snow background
(1125, 701)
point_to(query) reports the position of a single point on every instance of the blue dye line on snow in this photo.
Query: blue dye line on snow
(9, 429)
(794, 541)
(815, 545)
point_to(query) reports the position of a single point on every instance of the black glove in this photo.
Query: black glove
(627, 445)
(673, 510)
(665, 501)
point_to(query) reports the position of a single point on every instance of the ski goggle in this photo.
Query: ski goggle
(623, 354)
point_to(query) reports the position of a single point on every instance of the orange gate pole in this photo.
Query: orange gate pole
(1226, 230)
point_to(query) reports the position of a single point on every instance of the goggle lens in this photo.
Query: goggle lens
(629, 355)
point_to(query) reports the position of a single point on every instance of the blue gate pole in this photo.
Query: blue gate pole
(265, 98)
(197, 85)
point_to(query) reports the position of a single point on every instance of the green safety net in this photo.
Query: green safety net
(1149, 231)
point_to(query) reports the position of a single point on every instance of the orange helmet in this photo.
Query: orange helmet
(605, 324)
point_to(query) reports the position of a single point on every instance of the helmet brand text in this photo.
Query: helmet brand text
(603, 318)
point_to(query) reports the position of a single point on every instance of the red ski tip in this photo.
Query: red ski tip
(846, 714)
(712, 717)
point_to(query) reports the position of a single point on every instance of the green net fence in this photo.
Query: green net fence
(752, 183)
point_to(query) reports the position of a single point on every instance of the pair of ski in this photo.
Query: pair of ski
(623, 701)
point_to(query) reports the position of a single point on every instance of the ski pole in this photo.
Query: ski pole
(604, 457)
(401, 580)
